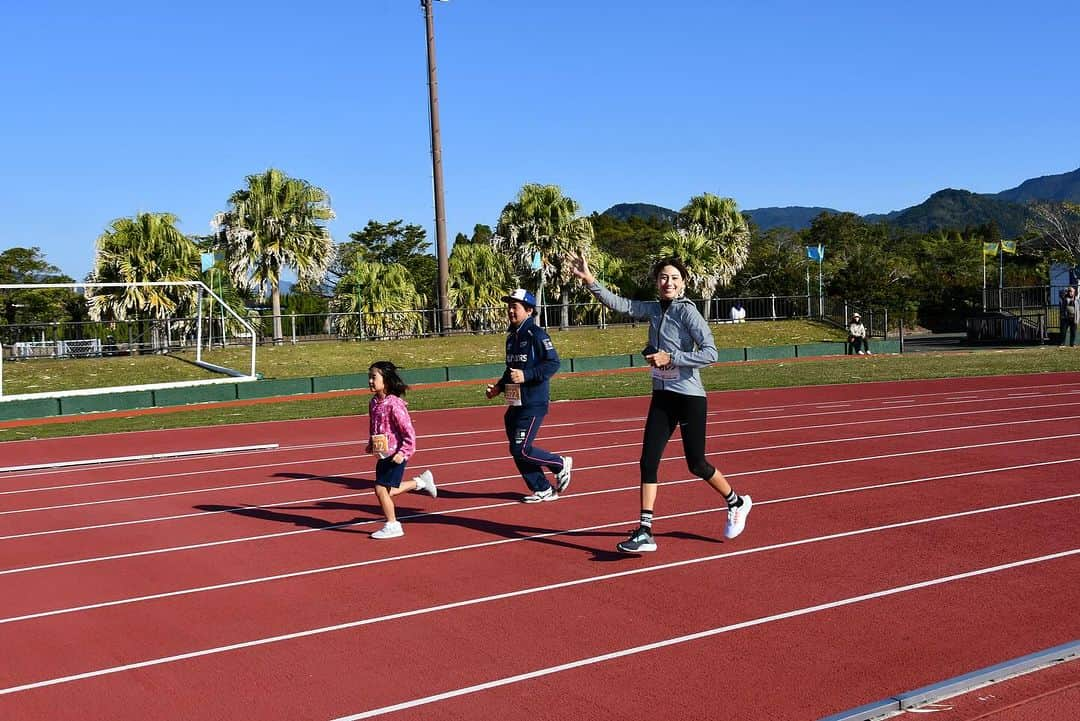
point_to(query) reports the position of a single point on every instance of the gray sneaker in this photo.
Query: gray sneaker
(640, 541)
(562, 478)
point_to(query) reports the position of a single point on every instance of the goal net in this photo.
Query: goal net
(60, 339)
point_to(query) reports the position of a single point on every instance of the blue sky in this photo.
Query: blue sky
(112, 108)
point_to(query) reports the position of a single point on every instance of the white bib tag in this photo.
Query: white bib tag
(512, 391)
(666, 374)
(380, 446)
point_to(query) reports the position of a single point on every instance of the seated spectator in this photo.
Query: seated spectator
(857, 336)
(738, 313)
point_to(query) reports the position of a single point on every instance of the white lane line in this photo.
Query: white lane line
(561, 585)
(687, 638)
(634, 429)
(574, 424)
(143, 457)
(754, 449)
(538, 536)
(245, 539)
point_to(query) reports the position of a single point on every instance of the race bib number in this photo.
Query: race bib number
(380, 446)
(670, 373)
(512, 392)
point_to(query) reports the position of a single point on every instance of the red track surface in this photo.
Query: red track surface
(903, 533)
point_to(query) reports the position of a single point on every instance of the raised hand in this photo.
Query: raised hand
(580, 268)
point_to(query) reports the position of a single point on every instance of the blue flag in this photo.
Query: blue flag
(536, 261)
(207, 261)
(815, 252)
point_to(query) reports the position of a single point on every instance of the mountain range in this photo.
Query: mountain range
(948, 208)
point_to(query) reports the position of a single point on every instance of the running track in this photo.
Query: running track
(902, 533)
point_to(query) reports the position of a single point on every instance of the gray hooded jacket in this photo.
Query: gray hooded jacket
(680, 331)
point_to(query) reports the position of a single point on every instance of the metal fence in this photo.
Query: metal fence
(299, 328)
(58, 340)
(96, 339)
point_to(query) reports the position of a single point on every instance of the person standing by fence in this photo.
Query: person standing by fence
(857, 338)
(1070, 312)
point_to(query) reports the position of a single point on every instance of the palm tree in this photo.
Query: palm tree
(719, 220)
(146, 248)
(543, 223)
(276, 223)
(479, 278)
(377, 301)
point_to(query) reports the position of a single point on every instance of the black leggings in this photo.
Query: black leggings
(665, 412)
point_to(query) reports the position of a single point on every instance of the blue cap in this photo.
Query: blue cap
(521, 296)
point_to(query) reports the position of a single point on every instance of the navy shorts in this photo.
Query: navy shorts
(388, 473)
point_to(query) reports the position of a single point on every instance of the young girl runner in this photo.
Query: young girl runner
(393, 440)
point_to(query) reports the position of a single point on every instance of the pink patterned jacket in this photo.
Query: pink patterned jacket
(390, 415)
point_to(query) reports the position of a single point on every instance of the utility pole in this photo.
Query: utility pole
(436, 167)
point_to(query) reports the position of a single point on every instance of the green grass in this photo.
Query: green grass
(770, 374)
(333, 357)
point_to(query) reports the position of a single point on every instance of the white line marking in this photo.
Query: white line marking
(142, 457)
(504, 541)
(804, 611)
(529, 591)
(801, 444)
(634, 429)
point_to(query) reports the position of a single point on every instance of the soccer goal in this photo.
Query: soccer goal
(64, 339)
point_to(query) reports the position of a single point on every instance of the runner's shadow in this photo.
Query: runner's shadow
(350, 482)
(469, 495)
(298, 519)
(690, 537)
(530, 534)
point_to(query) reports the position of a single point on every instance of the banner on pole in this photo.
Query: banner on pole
(990, 248)
(815, 252)
(207, 261)
(1008, 246)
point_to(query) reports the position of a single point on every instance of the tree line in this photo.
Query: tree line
(276, 224)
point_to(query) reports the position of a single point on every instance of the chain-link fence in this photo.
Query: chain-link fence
(80, 339)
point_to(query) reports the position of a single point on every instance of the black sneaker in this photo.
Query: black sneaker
(640, 541)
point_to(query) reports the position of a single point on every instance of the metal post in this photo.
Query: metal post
(809, 309)
(820, 292)
(436, 167)
(198, 326)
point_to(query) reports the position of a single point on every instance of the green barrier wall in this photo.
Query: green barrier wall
(274, 387)
(31, 408)
(123, 401)
(599, 363)
(770, 352)
(807, 350)
(424, 375)
(195, 394)
(491, 371)
(268, 388)
(346, 382)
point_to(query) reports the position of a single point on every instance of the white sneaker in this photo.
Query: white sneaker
(861, 353)
(736, 518)
(426, 482)
(390, 530)
(541, 496)
(562, 478)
